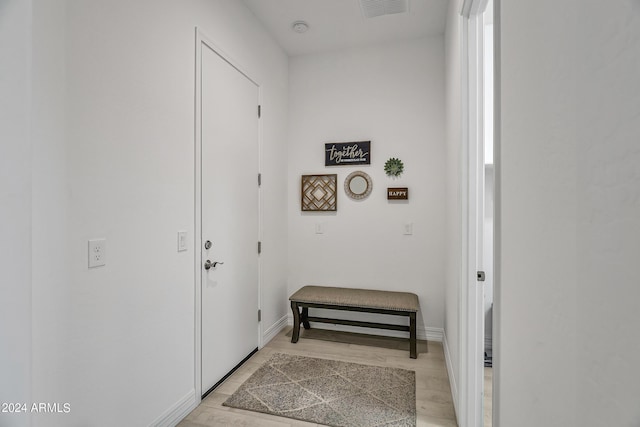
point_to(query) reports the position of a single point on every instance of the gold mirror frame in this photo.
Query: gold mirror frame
(367, 190)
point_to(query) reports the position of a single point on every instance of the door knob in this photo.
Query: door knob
(209, 265)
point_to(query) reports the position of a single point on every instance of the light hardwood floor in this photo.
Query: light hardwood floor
(434, 404)
(488, 397)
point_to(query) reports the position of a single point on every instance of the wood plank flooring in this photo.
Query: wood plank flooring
(488, 397)
(434, 404)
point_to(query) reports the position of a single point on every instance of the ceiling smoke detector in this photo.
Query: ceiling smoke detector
(373, 8)
(300, 27)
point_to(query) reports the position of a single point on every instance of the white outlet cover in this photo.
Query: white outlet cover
(97, 252)
(182, 241)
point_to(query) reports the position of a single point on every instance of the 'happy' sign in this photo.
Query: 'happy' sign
(401, 193)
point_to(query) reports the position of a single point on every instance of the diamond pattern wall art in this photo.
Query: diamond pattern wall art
(319, 193)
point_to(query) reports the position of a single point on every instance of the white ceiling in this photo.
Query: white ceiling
(340, 24)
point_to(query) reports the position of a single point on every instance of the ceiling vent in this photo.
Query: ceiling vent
(373, 8)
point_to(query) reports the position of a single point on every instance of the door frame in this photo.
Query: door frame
(201, 39)
(471, 302)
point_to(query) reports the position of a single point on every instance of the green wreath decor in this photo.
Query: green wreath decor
(393, 167)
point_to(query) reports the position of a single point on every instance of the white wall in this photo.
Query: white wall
(608, 193)
(570, 206)
(50, 284)
(392, 95)
(453, 49)
(538, 216)
(15, 207)
(113, 157)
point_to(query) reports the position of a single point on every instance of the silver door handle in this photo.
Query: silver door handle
(209, 265)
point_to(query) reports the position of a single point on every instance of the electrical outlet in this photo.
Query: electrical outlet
(97, 252)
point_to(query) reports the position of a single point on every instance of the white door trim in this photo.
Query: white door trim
(202, 39)
(497, 217)
(471, 307)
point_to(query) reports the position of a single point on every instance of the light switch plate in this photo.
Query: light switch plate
(97, 252)
(182, 241)
(408, 228)
(319, 228)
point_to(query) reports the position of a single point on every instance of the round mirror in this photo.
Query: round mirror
(358, 185)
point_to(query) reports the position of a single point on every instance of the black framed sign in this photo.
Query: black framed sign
(347, 153)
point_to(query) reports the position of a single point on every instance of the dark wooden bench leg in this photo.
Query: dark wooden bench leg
(305, 320)
(296, 322)
(413, 352)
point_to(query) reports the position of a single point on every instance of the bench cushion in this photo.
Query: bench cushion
(366, 298)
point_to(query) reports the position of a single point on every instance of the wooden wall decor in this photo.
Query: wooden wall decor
(319, 193)
(398, 193)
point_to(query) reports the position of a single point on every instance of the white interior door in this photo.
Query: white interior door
(229, 215)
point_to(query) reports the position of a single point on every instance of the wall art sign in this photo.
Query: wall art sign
(398, 193)
(347, 153)
(319, 192)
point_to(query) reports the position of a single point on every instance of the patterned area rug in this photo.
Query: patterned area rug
(330, 392)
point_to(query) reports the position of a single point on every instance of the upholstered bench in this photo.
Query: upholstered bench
(364, 300)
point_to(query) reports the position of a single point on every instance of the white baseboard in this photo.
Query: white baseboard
(177, 412)
(422, 333)
(452, 377)
(432, 334)
(274, 330)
